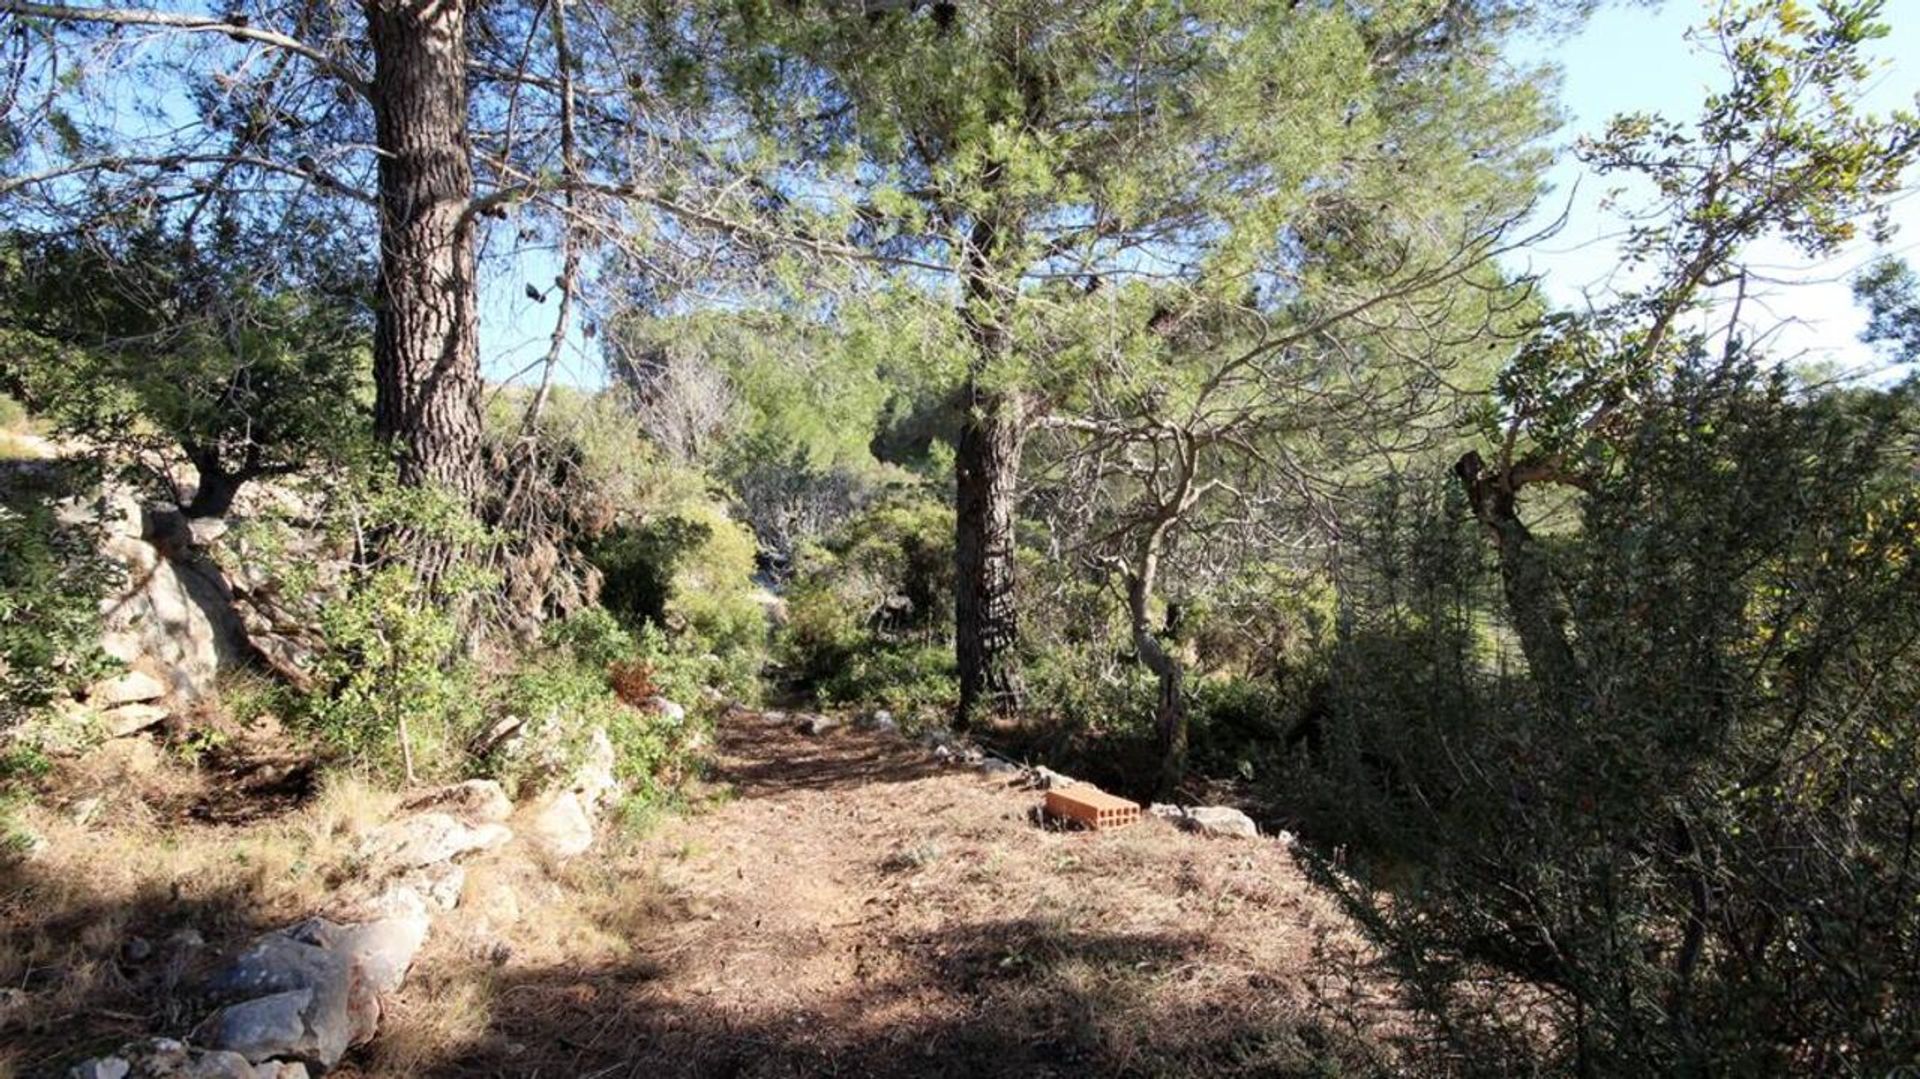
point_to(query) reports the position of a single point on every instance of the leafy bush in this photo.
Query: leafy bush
(910, 678)
(594, 636)
(868, 612)
(1704, 847)
(689, 574)
(571, 689)
(393, 686)
(52, 576)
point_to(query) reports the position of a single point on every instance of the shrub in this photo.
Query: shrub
(689, 576)
(1703, 847)
(910, 678)
(564, 694)
(868, 612)
(594, 636)
(393, 686)
(52, 576)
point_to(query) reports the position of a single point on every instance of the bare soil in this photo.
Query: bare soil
(852, 906)
(845, 904)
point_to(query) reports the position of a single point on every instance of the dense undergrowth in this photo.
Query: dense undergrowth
(1578, 646)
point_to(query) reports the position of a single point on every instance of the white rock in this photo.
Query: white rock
(381, 951)
(670, 709)
(439, 885)
(594, 780)
(426, 838)
(207, 531)
(560, 825)
(1047, 779)
(813, 723)
(100, 1068)
(1208, 820)
(476, 801)
(131, 687)
(132, 718)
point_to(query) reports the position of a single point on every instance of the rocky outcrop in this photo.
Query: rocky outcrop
(294, 1001)
(426, 838)
(561, 820)
(173, 616)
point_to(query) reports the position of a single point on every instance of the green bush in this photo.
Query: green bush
(909, 678)
(13, 415)
(1703, 847)
(52, 576)
(393, 688)
(594, 637)
(564, 694)
(690, 576)
(868, 612)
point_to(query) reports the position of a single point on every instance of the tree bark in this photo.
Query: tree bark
(986, 631)
(1170, 707)
(1534, 600)
(426, 348)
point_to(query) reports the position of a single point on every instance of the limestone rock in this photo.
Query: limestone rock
(1046, 779)
(594, 780)
(131, 687)
(879, 720)
(476, 801)
(813, 723)
(132, 719)
(174, 610)
(426, 838)
(100, 1068)
(1208, 820)
(167, 1058)
(439, 886)
(293, 998)
(667, 708)
(380, 952)
(560, 825)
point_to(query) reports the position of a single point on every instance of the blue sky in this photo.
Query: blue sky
(1631, 59)
(1627, 58)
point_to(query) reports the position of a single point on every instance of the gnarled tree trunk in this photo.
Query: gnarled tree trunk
(987, 477)
(1534, 599)
(1170, 707)
(426, 349)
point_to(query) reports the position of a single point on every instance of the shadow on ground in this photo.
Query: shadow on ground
(765, 760)
(1004, 998)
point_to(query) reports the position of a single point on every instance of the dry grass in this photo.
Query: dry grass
(843, 905)
(857, 909)
(123, 858)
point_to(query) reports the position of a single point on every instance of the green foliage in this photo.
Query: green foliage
(13, 414)
(689, 576)
(564, 694)
(1710, 856)
(594, 637)
(639, 562)
(142, 339)
(869, 610)
(52, 577)
(393, 688)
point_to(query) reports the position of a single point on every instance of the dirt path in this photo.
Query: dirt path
(858, 908)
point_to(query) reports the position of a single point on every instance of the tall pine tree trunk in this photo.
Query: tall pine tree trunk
(987, 477)
(426, 349)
